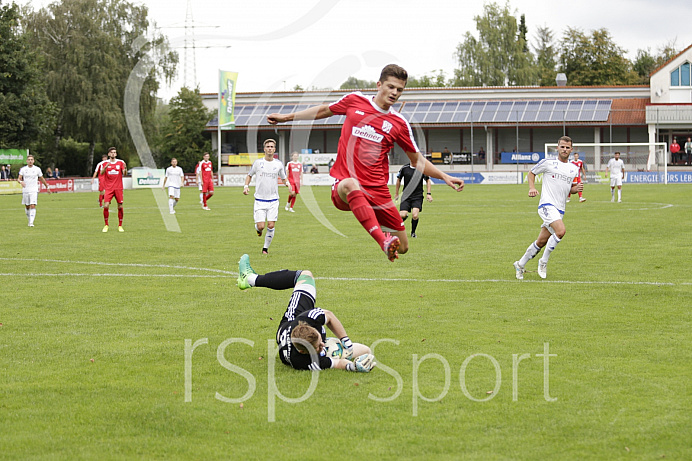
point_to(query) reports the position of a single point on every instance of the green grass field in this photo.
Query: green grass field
(94, 330)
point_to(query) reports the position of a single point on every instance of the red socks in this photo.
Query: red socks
(105, 215)
(365, 215)
(120, 216)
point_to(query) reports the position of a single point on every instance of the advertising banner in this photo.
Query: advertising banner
(227, 84)
(316, 159)
(243, 159)
(147, 178)
(509, 177)
(521, 157)
(651, 177)
(13, 156)
(58, 185)
(10, 187)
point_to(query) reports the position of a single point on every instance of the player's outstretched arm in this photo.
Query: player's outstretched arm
(311, 113)
(431, 170)
(396, 189)
(336, 327)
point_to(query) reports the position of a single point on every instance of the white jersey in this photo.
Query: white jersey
(175, 177)
(266, 178)
(30, 177)
(615, 167)
(557, 182)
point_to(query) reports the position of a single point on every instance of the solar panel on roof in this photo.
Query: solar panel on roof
(431, 117)
(437, 106)
(503, 111)
(445, 117)
(517, 111)
(602, 111)
(559, 111)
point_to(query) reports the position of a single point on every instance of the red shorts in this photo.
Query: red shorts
(118, 194)
(295, 187)
(380, 199)
(207, 186)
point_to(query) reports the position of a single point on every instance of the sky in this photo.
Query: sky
(276, 45)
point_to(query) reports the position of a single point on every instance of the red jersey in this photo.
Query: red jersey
(98, 168)
(207, 169)
(113, 175)
(293, 169)
(367, 136)
(580, 165)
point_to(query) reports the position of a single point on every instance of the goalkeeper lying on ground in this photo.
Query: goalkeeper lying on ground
(301, 334)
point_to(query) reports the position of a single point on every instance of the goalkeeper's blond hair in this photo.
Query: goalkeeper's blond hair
(306, 333)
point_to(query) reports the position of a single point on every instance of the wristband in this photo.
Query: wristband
(346, 341)
(429, 193)
(245, 186)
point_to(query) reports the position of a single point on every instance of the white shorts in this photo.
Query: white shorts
(266, 211)
(615, 181)
(549, 214)
(29, 198)
(174, 191)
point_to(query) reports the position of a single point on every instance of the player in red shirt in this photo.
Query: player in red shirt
(113, 171)
(582, 174)
(361, 169)
(205, 176)
(97, 172)
(294, 171)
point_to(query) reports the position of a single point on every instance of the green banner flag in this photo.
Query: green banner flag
(16, 156)
(227, 83)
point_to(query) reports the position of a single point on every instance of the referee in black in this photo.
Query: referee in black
(412, 197)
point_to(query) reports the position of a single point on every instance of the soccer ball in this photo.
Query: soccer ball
(333, 348)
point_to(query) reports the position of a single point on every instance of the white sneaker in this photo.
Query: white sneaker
(568, 200)
(542, 269)
(519, 270)
(31, 225)
(172, 211)
(206, 208)
(291, 210)
(619, 200)
(612, 199)
(286, 207)
(582, 199)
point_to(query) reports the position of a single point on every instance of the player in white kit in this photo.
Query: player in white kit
(267, 171)
(616, 168)
(28, 177)
(175, 174)
(558, 182)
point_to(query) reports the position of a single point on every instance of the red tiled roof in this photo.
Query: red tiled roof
(628, 111)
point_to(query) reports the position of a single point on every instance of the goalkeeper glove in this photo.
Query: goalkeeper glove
(362, 364)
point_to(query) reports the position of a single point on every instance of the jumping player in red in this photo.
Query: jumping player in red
(97, 172)
(205, 176)
(294, 171)
(582, 174)
(361, 169)
(113, 171)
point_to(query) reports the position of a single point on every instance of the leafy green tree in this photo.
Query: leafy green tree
(499, 56)
(546, 56)
(438, 79)
(645, 62)
(352, 83)
(182, 134)
(594, 59)
(26, 114)
(88, 50)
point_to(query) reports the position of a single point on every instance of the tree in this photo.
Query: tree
(594, 59)
(352, 83)
(546, 56)
(88, 52)
(645, 62)
(428, 80)
(26, 114)
(182, 134)
(499, 56)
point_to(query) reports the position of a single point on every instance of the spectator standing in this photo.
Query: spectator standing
(674, 150)
(688, 150)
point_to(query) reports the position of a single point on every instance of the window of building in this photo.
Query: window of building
(681, 76)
